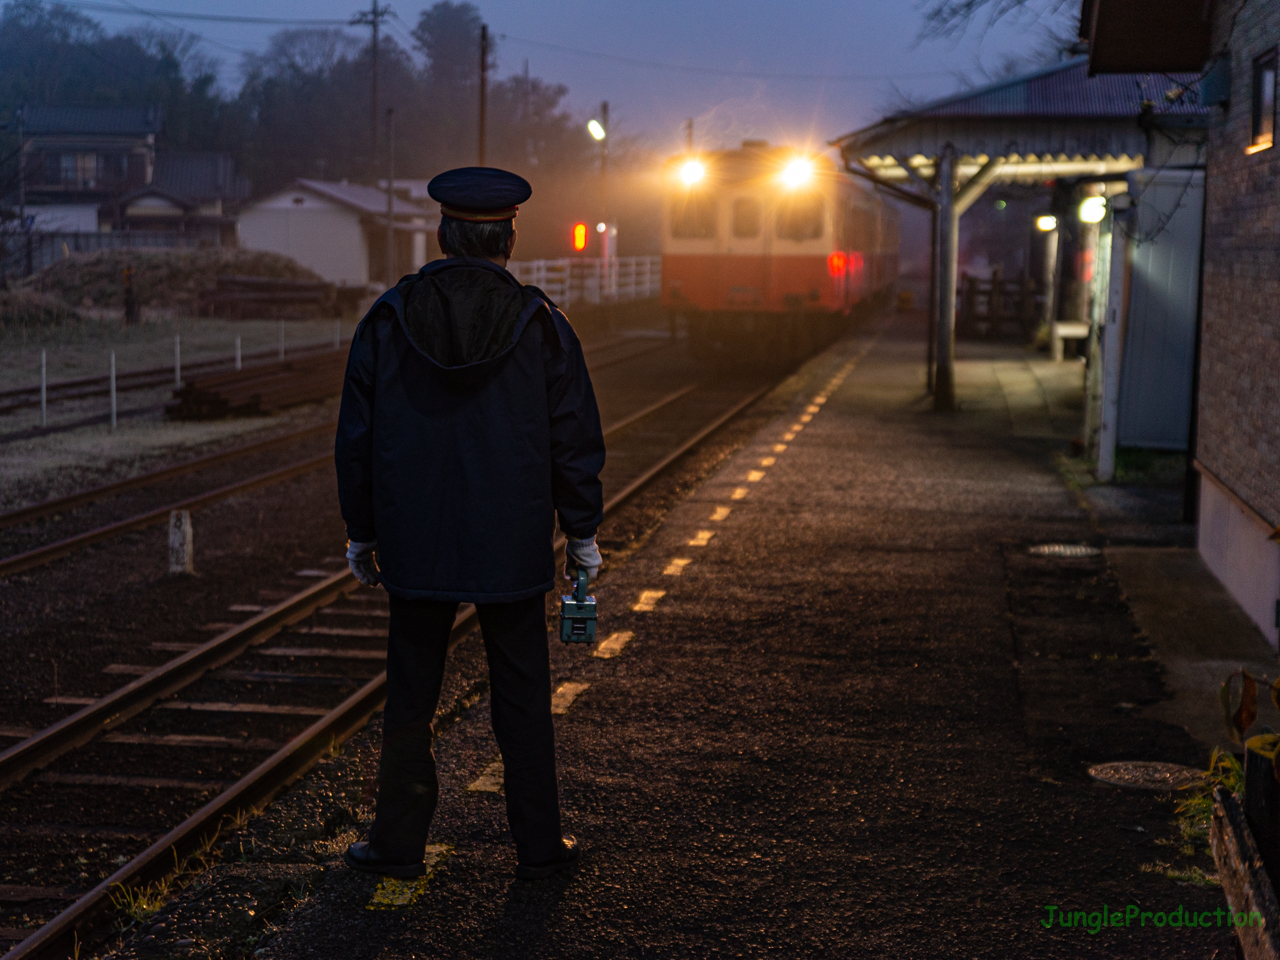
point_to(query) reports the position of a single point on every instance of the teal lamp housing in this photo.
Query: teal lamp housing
(578, 614)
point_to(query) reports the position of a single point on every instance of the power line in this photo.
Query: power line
(163, 18)
(209, 17)
(712, 71)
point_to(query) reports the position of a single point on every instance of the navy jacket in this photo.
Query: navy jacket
(468, 423)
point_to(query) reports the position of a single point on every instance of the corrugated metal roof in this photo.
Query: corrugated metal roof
(200, 176)
(1066, 90)
(104, 121)
(1057, 111)
(362, 198)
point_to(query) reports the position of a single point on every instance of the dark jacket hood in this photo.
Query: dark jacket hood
(463, 312)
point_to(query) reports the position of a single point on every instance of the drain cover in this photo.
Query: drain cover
(1146, 775)
(1068, 550)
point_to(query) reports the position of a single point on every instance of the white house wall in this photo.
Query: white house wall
(1239, 551)
(321, 235)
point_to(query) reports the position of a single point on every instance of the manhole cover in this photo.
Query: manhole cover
(1146, 775)
(1064, 550)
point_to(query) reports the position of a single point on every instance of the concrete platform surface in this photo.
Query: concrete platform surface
(843, 713)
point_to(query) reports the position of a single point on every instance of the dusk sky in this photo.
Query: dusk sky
(696, 45)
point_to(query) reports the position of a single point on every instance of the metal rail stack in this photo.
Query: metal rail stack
(260, 390)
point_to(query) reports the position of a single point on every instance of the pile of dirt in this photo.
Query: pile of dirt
(30, 308)
(166, 279)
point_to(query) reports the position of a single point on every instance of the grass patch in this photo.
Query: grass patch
(1150, 468)
(1191, 818)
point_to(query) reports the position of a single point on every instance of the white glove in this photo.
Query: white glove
(581, 553)
(363, 565)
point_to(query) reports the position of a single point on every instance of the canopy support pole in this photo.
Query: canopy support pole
(944, 386)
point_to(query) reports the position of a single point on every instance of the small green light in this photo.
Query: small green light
(1000, 204)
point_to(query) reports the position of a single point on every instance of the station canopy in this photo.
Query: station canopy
(1056, 122)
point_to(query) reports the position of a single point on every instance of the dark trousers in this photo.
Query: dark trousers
(515, 640)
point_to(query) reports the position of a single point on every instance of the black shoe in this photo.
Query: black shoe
(361, 856)
(569, 855)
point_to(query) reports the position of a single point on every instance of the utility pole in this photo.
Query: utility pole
(391, 180)
(373, 18)
(688, 139)
(484, 84)
(22, 170)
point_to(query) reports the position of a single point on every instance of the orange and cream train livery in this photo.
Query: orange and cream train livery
(767, 252)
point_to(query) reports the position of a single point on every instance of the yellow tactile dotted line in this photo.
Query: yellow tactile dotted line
(648, 599)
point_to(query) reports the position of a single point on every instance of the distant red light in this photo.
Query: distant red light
(837, 263)
(579, 237)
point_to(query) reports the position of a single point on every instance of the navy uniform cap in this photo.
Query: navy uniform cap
(479, 194)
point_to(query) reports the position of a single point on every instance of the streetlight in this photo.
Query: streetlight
(594, 128)
(1046, 223)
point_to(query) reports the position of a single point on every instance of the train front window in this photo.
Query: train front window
(800, 217)
(746, 217)
(693, 217)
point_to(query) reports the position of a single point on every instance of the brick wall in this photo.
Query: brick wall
(1239, 438)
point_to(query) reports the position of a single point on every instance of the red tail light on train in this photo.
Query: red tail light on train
(579, 237)
(837, 263)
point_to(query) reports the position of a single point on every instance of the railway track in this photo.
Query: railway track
(230, 721)
(46, 553)
(156, 378)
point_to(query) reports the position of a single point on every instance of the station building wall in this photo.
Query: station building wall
(1239, 401)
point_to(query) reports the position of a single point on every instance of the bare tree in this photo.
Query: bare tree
(305, 52)
(948, 18)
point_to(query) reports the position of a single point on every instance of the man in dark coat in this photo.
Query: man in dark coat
(468, 424)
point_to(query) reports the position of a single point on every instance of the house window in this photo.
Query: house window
(1264, 102)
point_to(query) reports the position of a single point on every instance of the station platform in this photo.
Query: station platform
(839, 710)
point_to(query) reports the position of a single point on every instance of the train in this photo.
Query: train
(768, 252)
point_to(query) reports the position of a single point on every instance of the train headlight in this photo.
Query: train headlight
(797, 173)
(692, 172)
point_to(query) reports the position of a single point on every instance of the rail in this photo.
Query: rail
(39, 556)
(64, 934)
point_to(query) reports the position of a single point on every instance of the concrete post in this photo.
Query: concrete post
(944, 391)
(181, 542)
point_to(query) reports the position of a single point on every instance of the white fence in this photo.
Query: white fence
(589, 280)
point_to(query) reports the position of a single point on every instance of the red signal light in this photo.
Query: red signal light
(579, 237)
(837, 263)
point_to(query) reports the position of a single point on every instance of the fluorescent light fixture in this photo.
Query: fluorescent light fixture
(1093, 209)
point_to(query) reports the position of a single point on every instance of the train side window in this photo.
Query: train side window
(693, 217)
(746, 217)
(800, 218)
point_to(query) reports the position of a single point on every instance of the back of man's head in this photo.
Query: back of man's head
(488, 241)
